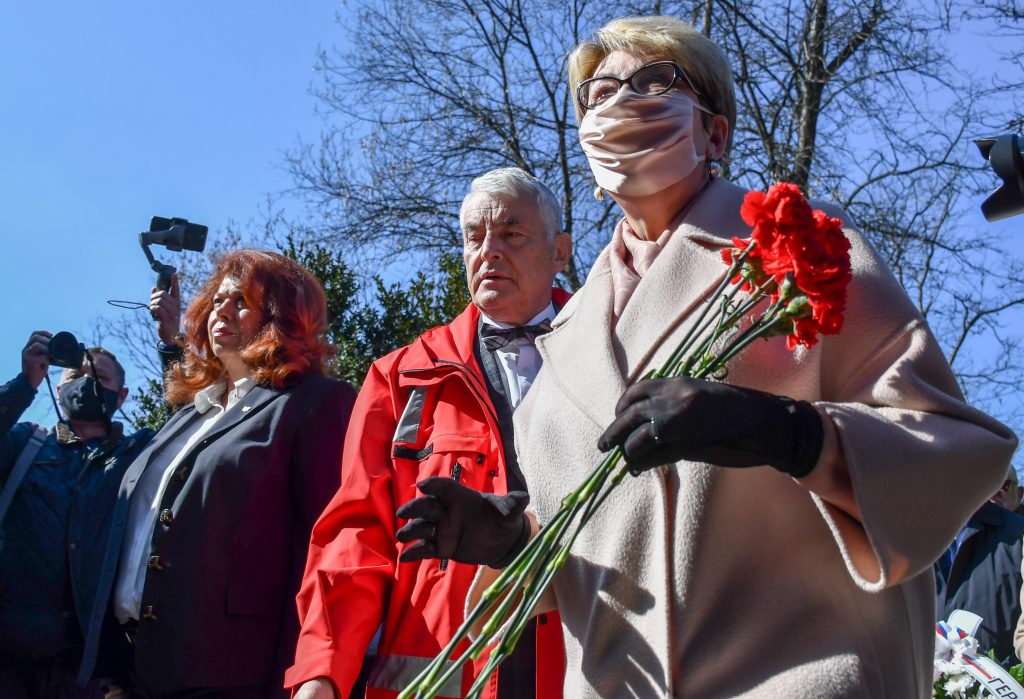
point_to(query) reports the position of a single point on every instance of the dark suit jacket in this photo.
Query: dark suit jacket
(230, 544)
(985, 578)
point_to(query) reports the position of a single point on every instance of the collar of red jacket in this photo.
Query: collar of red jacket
(456, 341)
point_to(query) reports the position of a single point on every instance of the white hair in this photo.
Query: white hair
(514, 181)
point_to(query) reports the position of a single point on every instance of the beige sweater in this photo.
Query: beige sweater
(700, 581)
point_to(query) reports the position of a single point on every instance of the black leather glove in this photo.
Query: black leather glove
(661, 421)
(465, 525)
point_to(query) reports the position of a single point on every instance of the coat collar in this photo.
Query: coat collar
(455, 341)
(251, 404)
(593, 361)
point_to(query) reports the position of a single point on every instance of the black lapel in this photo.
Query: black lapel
(179, 421)
(502, 406)
(254, 401)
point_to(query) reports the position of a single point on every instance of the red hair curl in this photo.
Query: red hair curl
(291, 340)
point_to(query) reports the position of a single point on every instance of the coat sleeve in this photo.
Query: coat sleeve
(920, 459)
(352, 552)
(15, 397)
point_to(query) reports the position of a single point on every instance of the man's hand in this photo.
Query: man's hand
(465, 525)
(317, 688)
(661, 421)
(165, 307)
(35, 358)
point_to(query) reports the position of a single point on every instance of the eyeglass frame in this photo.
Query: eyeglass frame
(679, 73)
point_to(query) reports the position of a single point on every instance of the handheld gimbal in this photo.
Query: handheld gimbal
(175, 234)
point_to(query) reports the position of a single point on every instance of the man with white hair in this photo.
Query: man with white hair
(441, 406)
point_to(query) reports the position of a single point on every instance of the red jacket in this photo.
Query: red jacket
(423, 411)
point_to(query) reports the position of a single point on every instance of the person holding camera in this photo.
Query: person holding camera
(57, 494)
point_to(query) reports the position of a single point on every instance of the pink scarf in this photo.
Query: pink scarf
(630, 257)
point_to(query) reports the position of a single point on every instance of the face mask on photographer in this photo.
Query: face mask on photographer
(78, 400)
(640, 145)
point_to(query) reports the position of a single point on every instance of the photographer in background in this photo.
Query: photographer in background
(57, 494)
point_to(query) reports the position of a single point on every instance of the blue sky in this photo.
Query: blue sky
(118, 111)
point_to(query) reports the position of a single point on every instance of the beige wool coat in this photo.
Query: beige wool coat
(701, 581)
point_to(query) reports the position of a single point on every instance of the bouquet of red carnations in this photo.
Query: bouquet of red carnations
(789, 279)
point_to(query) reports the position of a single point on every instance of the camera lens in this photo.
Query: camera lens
(66, 351)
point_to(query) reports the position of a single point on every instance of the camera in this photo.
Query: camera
(1006, 155)
(66, 351)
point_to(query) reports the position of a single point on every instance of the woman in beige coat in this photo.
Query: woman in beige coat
(786, 548)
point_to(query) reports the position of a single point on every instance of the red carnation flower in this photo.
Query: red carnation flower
(791, 238)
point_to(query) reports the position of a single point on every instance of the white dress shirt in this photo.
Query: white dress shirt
(145, 500)
(519, 360)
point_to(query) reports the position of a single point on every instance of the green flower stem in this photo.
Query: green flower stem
(512, 577)
(754, 333)
(734, 268)
(532, 595)
(703, 351)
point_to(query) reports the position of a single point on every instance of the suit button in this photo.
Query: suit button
(154, 563)
(165, 518)
(492, 473)
(149, 613)
(479, 458)
(72, 546)
(542, 619)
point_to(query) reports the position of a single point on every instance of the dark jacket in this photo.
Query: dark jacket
(228, 550)
(53, 537)
(985, 578)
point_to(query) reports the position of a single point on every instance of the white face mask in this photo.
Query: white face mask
(638, 146)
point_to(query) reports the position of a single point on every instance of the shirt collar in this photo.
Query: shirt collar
(210, 396)
(547, 314)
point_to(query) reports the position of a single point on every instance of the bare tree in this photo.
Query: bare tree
(1004, 20)
(854, 101)
(433, 93)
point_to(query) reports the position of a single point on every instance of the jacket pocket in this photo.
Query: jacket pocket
(462, 457)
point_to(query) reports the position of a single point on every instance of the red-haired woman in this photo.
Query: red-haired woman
(213, 520)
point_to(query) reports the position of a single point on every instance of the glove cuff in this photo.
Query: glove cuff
(806, 437)
(518, 545)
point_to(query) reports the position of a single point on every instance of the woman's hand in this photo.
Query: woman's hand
(465, 525)
(661, 421)
(165, 307)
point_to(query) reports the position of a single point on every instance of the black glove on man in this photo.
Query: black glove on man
(465, 525)
(661, 421)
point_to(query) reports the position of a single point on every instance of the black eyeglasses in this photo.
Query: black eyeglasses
(651, 80)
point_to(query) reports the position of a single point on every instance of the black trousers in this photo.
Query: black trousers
(50, 678)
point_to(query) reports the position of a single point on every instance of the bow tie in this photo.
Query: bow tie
(496, 338)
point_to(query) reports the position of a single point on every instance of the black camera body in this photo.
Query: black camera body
(1006, 155)
(66, 351)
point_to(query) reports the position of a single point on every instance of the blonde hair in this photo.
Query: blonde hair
(700, 58)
